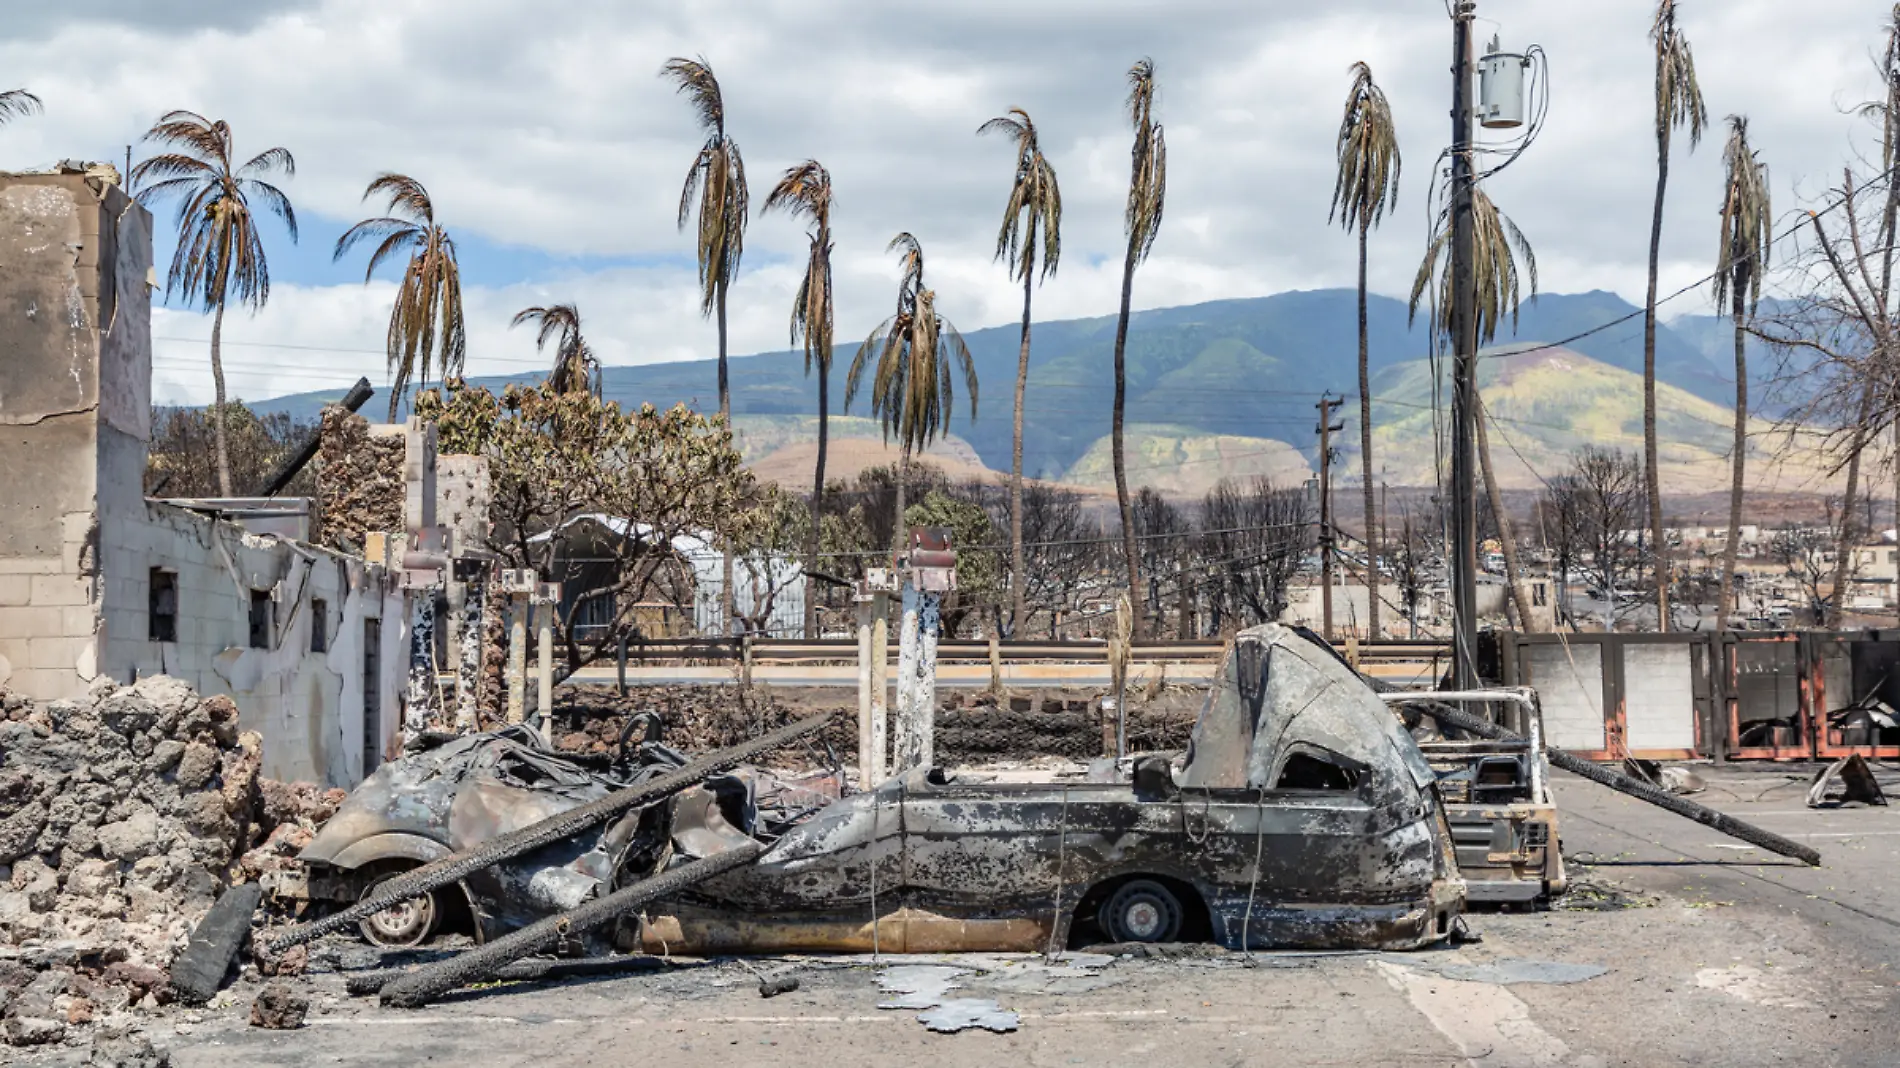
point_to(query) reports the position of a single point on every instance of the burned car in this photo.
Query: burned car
(1301, 815)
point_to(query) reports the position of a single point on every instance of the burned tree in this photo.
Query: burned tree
(1608, 486)
(1253, 536)
(643, 483)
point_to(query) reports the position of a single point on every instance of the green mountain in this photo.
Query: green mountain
(1249, 368)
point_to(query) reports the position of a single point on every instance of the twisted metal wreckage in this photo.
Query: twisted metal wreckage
(1301, 815)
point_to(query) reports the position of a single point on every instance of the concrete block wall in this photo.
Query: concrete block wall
(78, 539)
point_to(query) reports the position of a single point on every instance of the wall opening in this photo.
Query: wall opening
(319, 625)
(261, 622)
(372, 694)
(161, 606)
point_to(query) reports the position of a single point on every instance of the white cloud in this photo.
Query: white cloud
(551, 132)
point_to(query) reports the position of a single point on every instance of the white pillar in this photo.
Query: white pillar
(907, 754)
(544, 668)
(880, 687)
(867, 771)
(517, 656)
(929, 625)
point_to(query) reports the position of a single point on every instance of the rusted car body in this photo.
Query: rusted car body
(1302, 815)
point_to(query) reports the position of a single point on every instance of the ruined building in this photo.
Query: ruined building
(99, 582)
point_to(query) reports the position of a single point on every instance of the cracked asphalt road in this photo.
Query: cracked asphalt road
(1729, 957)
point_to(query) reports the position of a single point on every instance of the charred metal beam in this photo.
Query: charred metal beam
(1576, 765)
(431, 981)
(358, 395)
(365, 984)
(456, 866)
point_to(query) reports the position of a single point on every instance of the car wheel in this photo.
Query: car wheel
(1142, 911)
(404, 924)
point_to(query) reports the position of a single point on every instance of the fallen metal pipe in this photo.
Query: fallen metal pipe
(1576, 765)
(425, 984)
(457, 866)
(354, 399)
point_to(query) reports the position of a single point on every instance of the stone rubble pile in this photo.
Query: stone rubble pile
(123, 815)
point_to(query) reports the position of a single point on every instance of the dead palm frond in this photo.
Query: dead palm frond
(804, 192)
(1368, 149)
(1366, 187)
(1499, 245)
(1678, 96)
(717, 176)
(575, 367)
(917, 354)
(1033, 214)
(1747, 219)
(1148, 158)
(220, 254)
(17, 103)
(426, 326)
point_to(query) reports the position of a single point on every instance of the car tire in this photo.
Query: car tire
(1142, 910)
(403, 925)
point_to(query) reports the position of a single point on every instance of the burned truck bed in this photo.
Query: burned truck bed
(1301, 815)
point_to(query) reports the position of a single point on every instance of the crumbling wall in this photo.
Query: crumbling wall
(303, 691)
(121, 815)
(359, 481)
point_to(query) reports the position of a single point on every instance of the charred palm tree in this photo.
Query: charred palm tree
(717, 178)
(426, 328)
(1147, 196)
(805, 192)
(916, 351)
(1742, 256)
(17, 103)
(220, 255)
(1678, 103)
(1032, 224)
(575, 367)
(1367, 185)
(1498, 244)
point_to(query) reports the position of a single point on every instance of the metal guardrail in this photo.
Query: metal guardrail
(793, 650)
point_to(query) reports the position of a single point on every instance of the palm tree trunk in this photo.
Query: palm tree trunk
(1507, 535)
(899, 536)
(1659, 547)
(728, 599)
(1016, 566)
(217, 413)
(817, 499)
(1365, 449)
(1726, 604)
(1136, 595)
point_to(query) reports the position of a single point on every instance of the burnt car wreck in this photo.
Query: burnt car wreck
(1302, 815)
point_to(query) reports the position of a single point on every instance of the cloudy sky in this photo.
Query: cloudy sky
(555, 154)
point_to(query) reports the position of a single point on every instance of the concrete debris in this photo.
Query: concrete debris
(200, 969)
(927, 987)
(278, 1009)
(130, 1051)
(124, 812)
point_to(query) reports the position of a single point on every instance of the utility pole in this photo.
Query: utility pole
(1464, 338)
(1325, 430)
